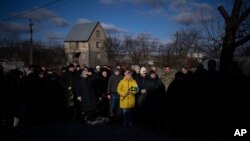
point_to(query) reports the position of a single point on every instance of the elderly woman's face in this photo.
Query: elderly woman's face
(104, 74)
(184, 70)
(85, 73)
(137, 69)
(143, 71)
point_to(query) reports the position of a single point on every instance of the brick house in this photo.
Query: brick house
(85, 45)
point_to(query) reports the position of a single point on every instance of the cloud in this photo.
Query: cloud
(188, 18)
(153, 3)
(203, 6)
(106, 1)
(109, 28)
(14, 29)
(55, 35)
(84, 21)
(185, 18)
(11, 29)
(42, 14)
(184, 12)
(156, 11)
(59, 22)
(35, 13)
(38, 16)
(181, 11)
(187, 13)
(178, 5)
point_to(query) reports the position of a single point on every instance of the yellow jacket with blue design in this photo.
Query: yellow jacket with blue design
(127, 90)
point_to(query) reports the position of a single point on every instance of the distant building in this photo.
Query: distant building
(9, 65)
(85, 45)
(197, 55)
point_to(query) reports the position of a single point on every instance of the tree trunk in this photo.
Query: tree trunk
(232, 24)
(228, 46)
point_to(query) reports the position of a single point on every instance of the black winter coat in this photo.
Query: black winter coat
(85, 88)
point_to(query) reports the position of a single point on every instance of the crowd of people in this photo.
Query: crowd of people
(134, 96)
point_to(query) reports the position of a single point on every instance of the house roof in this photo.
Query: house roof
(81, 32)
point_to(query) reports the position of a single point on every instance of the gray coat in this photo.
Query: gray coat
(113, 83)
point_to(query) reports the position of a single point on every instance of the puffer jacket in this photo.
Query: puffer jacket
(127, 100)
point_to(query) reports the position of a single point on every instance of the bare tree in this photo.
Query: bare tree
(166, 53)
(138, 48)
(186, 44)
(212, 36)
(128, 49)
(114, 49)
(144, 46)
(236, 31)
(132, 50)
(43, 54)
(185, 41)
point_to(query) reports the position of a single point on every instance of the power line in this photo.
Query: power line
(32, 10)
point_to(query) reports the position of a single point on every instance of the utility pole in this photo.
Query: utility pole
(31, 44)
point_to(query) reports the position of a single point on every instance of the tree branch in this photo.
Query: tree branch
(236, 8)
(242, 41)
(224, 13)
(244, 15)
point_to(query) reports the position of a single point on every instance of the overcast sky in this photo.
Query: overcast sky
(53, 19)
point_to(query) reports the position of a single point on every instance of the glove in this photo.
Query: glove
(79, 98)
(109, 96)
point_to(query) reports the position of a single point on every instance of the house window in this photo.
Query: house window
(98, 44)
(77, 45)
(70, 57)
(83, 56)
(73, 46)
(97, 34)
(98, 56)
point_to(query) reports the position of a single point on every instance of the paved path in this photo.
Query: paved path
(78, 131)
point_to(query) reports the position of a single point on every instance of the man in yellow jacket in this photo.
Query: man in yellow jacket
(127, 88)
